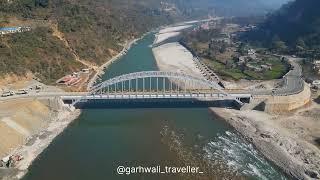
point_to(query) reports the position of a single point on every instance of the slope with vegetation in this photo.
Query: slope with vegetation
(94, 30)
(38, 52)
(294, 28)
(223, 57)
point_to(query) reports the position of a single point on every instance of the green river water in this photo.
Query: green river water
(100, 140)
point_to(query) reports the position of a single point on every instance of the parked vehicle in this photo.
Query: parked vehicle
(6, 94)
(22, 91)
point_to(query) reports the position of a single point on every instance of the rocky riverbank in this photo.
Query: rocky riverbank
(295, 156)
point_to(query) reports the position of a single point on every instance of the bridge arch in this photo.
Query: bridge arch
(172, 77)
(158, 74)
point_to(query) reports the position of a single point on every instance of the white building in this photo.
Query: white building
(316, 84)
(316, 66)
(251, 52)
(11, 30)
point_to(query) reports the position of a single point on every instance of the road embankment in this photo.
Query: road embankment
(297, 158)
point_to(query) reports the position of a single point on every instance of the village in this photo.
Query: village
(216, 42)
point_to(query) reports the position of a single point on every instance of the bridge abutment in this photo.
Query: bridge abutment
(283, 104)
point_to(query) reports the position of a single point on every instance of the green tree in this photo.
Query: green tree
(242, 49)
(300, 44)
(277, 45)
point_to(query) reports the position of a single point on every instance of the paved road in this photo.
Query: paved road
(43, 95)
(293, 82)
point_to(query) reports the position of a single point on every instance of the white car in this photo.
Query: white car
(6, 94)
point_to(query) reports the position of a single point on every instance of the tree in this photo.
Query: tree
(277, 45)
(300, 44)
(42, 3)
(242, 49)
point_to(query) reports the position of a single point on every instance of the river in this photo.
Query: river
(100, 140)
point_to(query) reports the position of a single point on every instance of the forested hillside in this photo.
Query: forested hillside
(93, 29)
(294, 28)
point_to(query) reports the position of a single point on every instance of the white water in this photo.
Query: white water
(240, 156)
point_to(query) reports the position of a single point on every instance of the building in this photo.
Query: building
(316, 83)
(242, 60)
(11, 30)
(316, 66)
(252, 53)
(85, 71)
(254, 67)
(266, 67)
(205, 26)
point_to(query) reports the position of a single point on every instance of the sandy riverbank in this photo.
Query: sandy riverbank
(174, 57)
(60, 117)
(169, 32)
(43, 140)
(294, 155)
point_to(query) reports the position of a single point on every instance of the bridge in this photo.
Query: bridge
(157, 87)
(170, 88)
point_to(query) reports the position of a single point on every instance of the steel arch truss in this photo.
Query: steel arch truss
(157, 74)
(173, 77)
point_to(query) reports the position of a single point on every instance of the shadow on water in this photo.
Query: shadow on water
(159, 103)
(317, 140)
(317, 100)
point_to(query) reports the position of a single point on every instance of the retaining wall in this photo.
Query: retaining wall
(280, 104)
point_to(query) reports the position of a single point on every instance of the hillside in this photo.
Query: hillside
(94, 30)
(295, 27)
(91, 32)
(227, 7)
(36, 51)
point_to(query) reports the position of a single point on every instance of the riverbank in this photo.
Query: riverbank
(101, 70)
(60, 116)
(295, 156)
(174, 57)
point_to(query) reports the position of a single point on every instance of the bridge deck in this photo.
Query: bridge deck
(206, 96)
